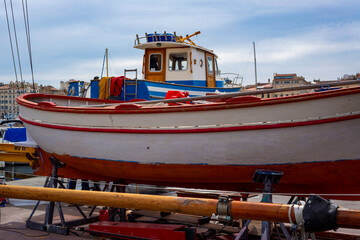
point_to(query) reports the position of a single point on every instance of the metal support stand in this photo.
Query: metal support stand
(120, 212)
(245, 234)
(48, 225)
(266, 177)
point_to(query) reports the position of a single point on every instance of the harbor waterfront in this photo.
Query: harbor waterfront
(305, 211)
(177, 148)
(187, 120)
(341, 215)
(49, 119)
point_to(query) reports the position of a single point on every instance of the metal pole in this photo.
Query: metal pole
(107, 63)
(256, 85)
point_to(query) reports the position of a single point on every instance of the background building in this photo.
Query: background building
(51, 90)
(280, 81)
(288, 80)
(9, 92)
(346, 77)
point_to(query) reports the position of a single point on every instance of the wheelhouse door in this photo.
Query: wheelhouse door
(210, 70)
(155, 65)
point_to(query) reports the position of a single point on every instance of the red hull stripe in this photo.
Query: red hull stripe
(194, 130)
(26, 101)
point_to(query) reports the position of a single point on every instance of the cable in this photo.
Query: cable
(16, 41)
(9, 229)
(27, 29)
(102, 69)
(11, 44)
(26, 32)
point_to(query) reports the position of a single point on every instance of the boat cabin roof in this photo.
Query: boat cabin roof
(166, 40)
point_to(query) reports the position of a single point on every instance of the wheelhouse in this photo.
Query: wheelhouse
(174, 59)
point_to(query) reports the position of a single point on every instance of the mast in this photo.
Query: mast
(256, 85)
(107, 62)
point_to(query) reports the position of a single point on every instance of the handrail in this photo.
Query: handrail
(237, 76)
(178, 39)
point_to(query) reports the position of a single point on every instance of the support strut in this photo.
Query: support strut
(267, 178)
(63, 226)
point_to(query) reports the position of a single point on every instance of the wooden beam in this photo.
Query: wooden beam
(194, 206)
(188, 37)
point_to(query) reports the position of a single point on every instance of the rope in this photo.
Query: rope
(102, 69)
(27, 29)
(17, 230)
(16, 41)
(11, 44)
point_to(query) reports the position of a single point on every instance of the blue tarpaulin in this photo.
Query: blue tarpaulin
(15, 135)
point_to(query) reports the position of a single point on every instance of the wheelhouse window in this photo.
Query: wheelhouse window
(210, 65)
(178, 61)
(217, 71)
(155, 62)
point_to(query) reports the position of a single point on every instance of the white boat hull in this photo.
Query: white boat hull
(217, 145)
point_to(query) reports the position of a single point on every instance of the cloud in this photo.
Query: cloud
(327, 52)
(321, 40)
(86, 70)
(69, 37)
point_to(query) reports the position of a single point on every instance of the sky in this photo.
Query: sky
(315, 39)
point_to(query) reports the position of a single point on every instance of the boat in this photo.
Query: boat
(313, 139)
(12, 131)
(170, 63)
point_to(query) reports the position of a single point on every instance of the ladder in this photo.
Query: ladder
(131, 82)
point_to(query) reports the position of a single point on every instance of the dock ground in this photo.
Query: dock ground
(13, 217)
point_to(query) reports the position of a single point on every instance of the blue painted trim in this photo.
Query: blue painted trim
(94, 89)
(101, 159)
(144, 92)
(197, 83)
(193, 88)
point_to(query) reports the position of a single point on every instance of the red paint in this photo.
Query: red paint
(193, 130)
(244, 99)
(128, 106)
(332, 177)
(128, 230)
(46, 104)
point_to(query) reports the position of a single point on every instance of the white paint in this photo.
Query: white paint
(294, 111)
(324, 142)
(198, 71)
(178, 75)
(167, 88)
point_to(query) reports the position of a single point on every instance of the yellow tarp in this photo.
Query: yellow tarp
(104, 92)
